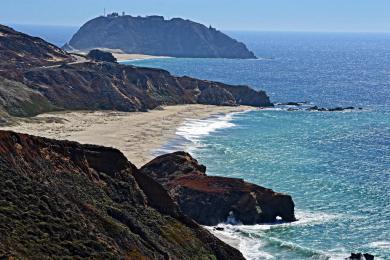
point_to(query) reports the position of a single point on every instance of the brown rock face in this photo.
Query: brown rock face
(61, 199)
(210, 199)
(19, 50)
(127, 88)
(49, 79)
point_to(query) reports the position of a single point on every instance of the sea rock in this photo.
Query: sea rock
(335, 109)
(360, 256)
(210, 199)
(291, 103)
(61, 199)
(99, 55)
(154, 35)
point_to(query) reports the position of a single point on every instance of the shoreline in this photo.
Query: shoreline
(122, 56)
(138, 135)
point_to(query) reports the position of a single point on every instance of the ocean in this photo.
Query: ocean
(335, 165)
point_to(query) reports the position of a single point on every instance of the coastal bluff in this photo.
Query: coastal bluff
(38, 77)
(154, 35)
(61, 199)
(211, 200)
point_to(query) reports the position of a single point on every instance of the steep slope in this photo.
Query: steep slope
(210, 199)
(60, 199)
(19, 50)
(105, 85)
(18, 99)
(154, 35)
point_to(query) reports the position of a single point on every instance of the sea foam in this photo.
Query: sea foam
(189, 134)
(254, 242)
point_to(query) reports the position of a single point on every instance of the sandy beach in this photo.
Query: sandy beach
(132, 56)
(120, 55)
(136, 134)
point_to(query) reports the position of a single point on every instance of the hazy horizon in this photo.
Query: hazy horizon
(76, 27)
(263, 16)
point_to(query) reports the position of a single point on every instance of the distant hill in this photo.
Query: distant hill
(38, 77)
(154, 35)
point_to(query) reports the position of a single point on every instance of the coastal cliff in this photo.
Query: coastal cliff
(105, 85)
(50, 79)
(210, 199)
(153, 35)
(61, 199)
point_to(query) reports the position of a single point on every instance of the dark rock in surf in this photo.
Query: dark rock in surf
(360, 256)
(297, 104)
(210, 199)
(335, 109)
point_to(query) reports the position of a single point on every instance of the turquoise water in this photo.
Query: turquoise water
(336, 165)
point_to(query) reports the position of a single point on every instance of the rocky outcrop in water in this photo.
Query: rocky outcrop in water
(61, 199)
(360, 256)
(334, 109)
(154, 35)
(210, 199)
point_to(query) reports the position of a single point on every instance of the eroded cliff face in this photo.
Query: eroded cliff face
(104, 85)
(211, 200)
(154, 35)
(37, 77)
(63, 199)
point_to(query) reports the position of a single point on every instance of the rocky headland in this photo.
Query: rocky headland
(210, 199)
(50, 79)
(153, 35)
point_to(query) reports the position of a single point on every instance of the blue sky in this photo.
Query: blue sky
(262, 15)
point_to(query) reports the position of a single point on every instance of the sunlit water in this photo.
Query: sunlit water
(336, 165)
